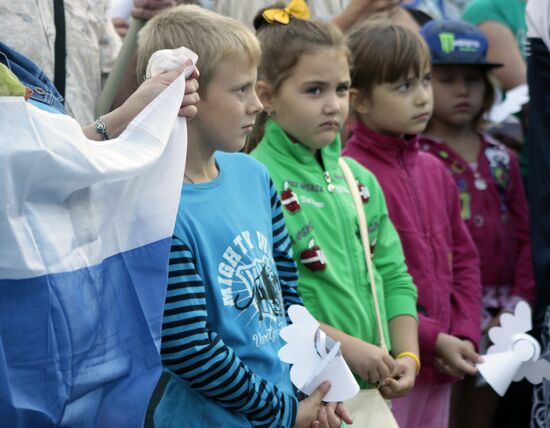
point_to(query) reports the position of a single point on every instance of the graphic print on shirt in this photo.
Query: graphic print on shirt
(249, 283)
(313, 257)
(465, 199)
(499, 164)
(363, 191)
(289, 199)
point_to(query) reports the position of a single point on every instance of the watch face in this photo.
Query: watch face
(99, 126)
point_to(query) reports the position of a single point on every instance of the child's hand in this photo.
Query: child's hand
(401, 380)
(457, 357)
(368, 361)
(331, 415)
(340, 411)
(313, 413)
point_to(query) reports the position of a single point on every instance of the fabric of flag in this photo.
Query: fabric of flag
(85, 231)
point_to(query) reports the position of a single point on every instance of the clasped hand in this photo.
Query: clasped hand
(455, 357)
(394, 377)
(314, 413)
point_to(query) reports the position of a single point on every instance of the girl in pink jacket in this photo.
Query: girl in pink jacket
(487, 175)
(392, 100)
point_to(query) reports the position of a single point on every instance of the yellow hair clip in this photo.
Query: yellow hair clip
(296, 8)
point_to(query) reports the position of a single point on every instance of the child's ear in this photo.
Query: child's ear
(357, 102)
(265, 95)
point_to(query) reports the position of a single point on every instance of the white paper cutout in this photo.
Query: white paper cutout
(514, 101)
(514, 354)
(315, 358)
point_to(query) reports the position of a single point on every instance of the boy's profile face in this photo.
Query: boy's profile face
(459, 91)
(228, 109)
(400, 108)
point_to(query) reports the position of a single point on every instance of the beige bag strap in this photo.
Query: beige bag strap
(363, 229)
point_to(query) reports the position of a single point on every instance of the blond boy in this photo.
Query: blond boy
(232, 276)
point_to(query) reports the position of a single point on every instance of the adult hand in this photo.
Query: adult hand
(146, 9)
(457, 357)
(152, 87)
(358, 10)
(121, 26)
(117, 120)
(371, 7)
(191, 98)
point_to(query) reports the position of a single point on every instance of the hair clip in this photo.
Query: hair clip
(296, 8)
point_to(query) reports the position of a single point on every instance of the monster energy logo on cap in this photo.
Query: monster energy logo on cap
(447, 42)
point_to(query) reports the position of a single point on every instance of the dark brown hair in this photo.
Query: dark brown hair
(282, 46)
(488, 99)
(385, 53)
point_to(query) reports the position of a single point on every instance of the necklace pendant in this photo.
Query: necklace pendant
(330, 187)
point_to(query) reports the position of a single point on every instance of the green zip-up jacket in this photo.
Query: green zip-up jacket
(322, 223)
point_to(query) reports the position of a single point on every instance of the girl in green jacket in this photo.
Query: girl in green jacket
(303, 83)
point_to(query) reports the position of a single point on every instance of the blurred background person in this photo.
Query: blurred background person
(73, 41)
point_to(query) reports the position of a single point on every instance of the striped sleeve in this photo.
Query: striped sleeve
(199, 356)
(282, 253)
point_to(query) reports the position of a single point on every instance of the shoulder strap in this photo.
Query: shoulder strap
(60, 46)
(363, 229)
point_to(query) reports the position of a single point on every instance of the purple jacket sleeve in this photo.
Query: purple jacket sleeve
(466, 293)
(524, 283)
(428, 329)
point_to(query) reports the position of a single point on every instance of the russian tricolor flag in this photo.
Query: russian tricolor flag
(85, 231)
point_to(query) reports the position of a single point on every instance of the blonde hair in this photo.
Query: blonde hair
(385, 53)
(282, 47)
(211, 36)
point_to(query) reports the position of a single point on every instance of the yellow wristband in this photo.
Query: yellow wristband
(413, 356)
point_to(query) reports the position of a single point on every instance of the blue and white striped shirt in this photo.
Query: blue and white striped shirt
(231, 280)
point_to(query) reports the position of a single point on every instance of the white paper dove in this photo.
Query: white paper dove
(315, 357)
(514, 354)
(513, 103)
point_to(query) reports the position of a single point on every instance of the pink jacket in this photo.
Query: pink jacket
(494, 208)
(424, 206)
